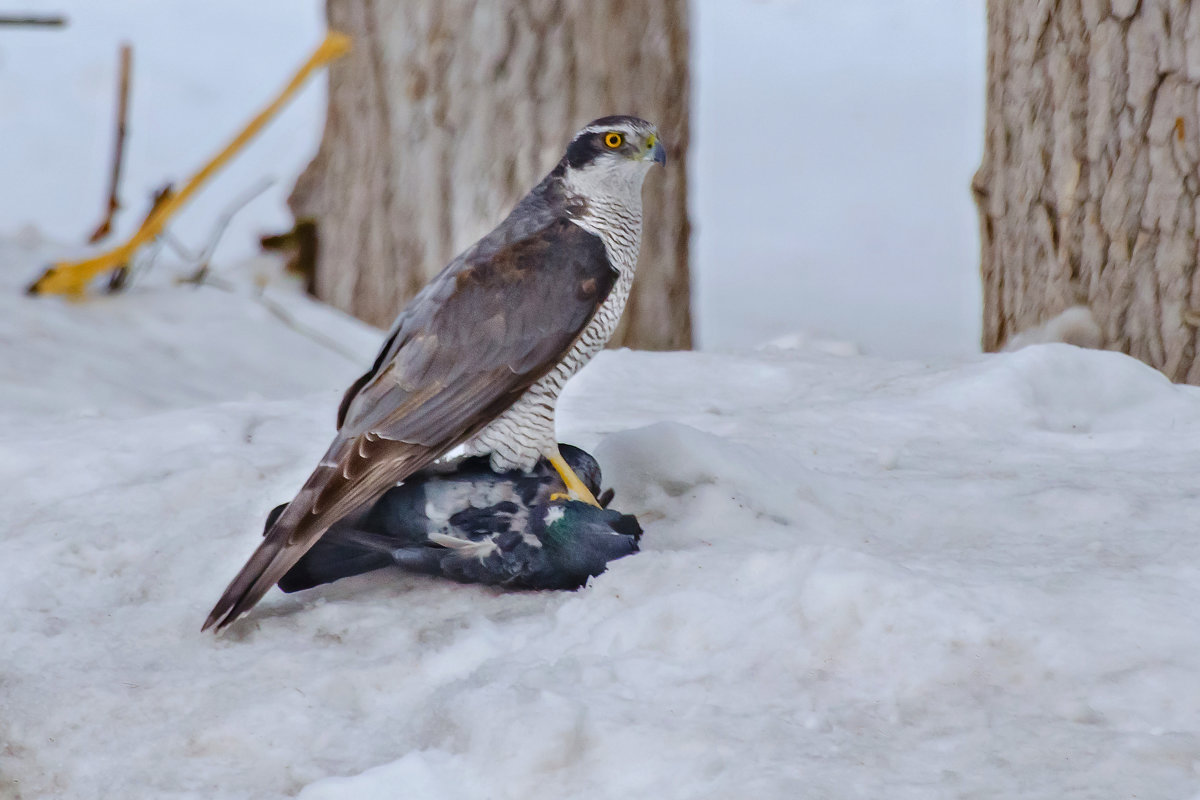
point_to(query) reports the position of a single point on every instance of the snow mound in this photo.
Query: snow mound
(423, 775)
(859, 579)
(1075, 325)
(1064, 389)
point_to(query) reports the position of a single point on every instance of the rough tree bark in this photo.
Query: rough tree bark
(448, 111)
(1088, 189)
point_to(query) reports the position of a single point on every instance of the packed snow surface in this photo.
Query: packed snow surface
(860, 578)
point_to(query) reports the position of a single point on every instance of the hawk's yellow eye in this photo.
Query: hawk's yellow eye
(613, 139)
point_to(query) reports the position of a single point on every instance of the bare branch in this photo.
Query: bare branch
(34, 21)
(240, 202)
(114, 204)
(119, 276)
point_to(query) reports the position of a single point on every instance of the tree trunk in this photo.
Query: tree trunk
(448, 111)
(1087, 191)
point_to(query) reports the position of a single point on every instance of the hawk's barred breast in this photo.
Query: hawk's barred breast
(523, 433)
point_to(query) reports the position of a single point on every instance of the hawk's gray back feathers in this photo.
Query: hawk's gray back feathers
(480, 355)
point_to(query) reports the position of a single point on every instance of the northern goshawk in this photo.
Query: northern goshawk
(480, 355)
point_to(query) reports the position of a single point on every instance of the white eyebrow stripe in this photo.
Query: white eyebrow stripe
(620, 127)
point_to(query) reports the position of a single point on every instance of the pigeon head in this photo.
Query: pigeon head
(583, 534)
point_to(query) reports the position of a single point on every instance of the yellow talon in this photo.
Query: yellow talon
(577, 489)
(72, 277)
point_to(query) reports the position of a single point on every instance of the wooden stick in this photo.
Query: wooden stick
(114, 204)
(72, 277)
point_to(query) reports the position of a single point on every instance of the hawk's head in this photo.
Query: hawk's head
(607, 161)
(623, 144)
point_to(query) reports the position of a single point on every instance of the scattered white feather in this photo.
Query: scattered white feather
(466, 548)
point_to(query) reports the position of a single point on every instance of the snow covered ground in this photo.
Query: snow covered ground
(965, 577)
(833, 147)
(860, 578)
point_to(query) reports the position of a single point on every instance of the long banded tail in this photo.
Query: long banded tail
(353, 474)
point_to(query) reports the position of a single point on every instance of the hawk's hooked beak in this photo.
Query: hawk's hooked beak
(655, 151)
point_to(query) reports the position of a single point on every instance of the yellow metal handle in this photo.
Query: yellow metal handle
(72, 277)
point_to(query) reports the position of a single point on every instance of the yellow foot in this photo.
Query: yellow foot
(576, 489)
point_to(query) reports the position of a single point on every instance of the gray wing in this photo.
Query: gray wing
(537, 213)
(484, 331)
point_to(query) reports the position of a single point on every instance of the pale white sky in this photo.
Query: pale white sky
(833, 144)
